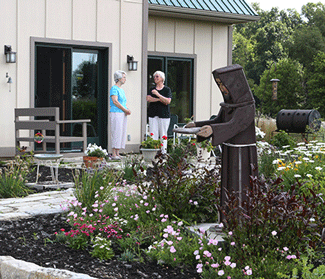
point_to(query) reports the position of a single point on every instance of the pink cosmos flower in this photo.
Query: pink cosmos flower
(172, 249)
(215, 265)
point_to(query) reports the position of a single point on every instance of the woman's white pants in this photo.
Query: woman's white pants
(118, 129)
(159, 127)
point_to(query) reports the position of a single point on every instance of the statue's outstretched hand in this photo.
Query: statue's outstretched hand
(205, 131)
(190, 125)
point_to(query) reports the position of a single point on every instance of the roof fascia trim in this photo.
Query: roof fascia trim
(187, 13)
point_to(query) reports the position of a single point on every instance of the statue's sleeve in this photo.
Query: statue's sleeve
(242, 118)
(217, 119)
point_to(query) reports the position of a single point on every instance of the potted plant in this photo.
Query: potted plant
(203, 150)
(150, 147)
(94, 155)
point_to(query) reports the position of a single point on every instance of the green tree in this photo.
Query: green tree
(264, 41)
(316, 84)
(307, 42)
(290, 88)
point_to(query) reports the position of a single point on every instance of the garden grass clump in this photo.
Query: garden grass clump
(13, 177)
(267, 125)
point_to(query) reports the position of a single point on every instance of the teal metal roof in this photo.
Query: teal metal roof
(239, 7)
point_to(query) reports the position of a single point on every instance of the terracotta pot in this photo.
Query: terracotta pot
(92, 162)
(149, 154)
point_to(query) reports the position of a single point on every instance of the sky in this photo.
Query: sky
(266, 5)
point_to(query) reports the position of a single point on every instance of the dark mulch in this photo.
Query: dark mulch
(32, 240)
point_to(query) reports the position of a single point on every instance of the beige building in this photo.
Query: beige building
(68, 50)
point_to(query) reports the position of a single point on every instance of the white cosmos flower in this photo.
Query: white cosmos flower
(309, 175)
(297, 175)
(298, 162)
(281, 168)
(275, 162)
(319, 168)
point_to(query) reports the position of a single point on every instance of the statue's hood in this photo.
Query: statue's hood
(233, 77)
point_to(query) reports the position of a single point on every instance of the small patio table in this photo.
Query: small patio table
(51, 160)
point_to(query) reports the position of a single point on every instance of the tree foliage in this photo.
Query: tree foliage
(290, 91)
(294, 43)
(316, 84)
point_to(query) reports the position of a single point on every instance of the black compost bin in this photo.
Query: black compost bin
(296, 121)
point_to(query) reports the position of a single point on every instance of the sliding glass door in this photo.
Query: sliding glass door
(179, 77)
(75, 80)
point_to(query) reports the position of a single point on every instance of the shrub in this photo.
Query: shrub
(183, 190)
(270, 218)
(132, 166)
(282, 139)
(183, 150)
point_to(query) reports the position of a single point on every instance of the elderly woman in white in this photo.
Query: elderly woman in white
(159, 98)
(118, 114)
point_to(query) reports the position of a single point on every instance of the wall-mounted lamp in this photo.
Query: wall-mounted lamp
(10, 55)
(274, 88)
(133, 65)
(9, 81)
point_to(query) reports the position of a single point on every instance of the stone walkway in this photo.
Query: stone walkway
(35, 204)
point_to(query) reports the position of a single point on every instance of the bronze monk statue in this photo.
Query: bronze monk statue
(234, 128)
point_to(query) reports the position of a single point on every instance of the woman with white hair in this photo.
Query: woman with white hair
(118, 114)
(159, 98)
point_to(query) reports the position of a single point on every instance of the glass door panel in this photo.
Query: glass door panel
(179, 77)
(154, 64)
(85, 92)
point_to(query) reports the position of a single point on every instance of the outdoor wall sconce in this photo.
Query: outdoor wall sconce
(9, 81)
(133, 65)
(274, 88)
(10, 55)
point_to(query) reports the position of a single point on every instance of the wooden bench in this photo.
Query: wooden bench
(51, 124)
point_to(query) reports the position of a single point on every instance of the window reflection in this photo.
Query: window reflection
(85, 89)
